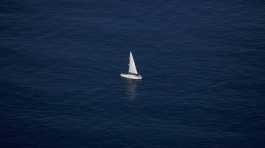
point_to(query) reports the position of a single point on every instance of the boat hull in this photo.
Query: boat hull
(131, 76)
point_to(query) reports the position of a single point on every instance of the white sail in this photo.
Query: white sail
(132, 66)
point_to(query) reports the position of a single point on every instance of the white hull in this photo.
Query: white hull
(131, 76)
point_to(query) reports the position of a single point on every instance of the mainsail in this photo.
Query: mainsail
(132, 67)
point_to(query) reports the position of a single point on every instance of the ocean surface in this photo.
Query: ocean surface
(202, 62)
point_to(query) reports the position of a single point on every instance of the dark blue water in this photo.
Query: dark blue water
(203, 63)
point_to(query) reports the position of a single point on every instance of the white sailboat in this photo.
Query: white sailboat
(133, 73)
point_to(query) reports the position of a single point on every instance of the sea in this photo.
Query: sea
(202, 62)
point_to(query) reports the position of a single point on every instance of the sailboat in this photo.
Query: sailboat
(133, 73)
